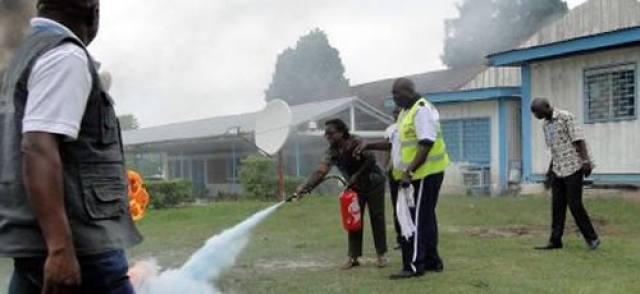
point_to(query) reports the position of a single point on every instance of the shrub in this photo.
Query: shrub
(169, 193)
(291, 183)
(258, 177)
(329, 187)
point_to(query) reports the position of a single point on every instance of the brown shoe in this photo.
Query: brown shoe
(382, 261)
(352, 262)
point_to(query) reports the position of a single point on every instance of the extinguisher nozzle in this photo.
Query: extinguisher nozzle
(294, 196)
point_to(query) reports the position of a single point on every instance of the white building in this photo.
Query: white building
(586, 63)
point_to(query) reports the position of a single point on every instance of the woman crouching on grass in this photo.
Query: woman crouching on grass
(365, 178)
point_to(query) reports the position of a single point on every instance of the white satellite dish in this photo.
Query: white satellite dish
(273, 125)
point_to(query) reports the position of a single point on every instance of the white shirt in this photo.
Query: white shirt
(393, 135)
(59, 86)
(426, 122)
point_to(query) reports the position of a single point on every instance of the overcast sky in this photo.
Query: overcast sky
(181, 60)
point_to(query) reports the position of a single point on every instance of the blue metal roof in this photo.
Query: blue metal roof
(608, 40)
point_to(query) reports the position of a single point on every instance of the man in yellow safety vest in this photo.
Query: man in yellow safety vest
(424, 158)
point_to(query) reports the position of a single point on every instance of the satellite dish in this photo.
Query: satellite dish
(273, 125)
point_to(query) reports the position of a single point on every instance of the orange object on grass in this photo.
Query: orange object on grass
(138, 196)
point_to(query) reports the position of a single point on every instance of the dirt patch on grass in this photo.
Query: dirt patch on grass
(499, 232)
(631, 196)
(290, 264)
(601, 225)
(521, 230)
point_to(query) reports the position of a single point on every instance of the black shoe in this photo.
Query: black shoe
(403, 275)
(549, 246)
(594, 244)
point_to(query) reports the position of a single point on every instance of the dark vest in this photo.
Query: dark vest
(95, 183)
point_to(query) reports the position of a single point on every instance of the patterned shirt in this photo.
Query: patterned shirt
(348, 165)
(560, 133)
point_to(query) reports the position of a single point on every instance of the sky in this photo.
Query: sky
(174, 61)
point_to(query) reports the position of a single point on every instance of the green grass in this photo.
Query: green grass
(486, 244)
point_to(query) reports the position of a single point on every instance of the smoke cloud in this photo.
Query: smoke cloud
(14, 23)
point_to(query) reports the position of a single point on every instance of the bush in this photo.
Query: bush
(166, 194)
(291, 183)
(329, 187)
(259, 178)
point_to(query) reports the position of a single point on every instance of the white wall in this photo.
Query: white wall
(495, 77)
(615, 145)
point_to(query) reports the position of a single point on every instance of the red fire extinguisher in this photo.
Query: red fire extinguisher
(349, 206)
(350, 209)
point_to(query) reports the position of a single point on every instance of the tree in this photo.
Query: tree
(128, 122)
(309, 72)
(489, 26)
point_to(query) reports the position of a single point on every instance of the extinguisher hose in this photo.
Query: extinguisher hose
(333, 176)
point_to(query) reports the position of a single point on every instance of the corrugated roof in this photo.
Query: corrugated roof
(448, 80)
(589, 18)
(218, 126)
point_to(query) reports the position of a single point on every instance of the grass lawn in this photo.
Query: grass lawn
(486, 244)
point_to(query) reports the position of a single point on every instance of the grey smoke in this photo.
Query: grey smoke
(14, 23)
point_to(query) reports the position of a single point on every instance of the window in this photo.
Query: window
(389, 104)
(217, 170)
(468, 140)
(179, 169)
(233, 168)
(174, 169)
(610, 93)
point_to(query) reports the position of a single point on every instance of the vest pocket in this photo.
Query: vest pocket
(104, 192)
(109, 126)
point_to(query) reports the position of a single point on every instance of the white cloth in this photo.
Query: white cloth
(393, 136)
(59, 86)
(404, 203)
(426, 122)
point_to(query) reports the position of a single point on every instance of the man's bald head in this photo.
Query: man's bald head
(69, 4)
(82, 17)
(404, 92)
(540, 102)
(541, 108)
(404, 84)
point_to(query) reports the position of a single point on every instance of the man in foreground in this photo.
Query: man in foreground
(64, 215)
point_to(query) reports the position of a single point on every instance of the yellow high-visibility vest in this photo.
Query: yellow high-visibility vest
(437, 159)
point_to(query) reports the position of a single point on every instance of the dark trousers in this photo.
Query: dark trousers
(104, 273)
(420, 252)
(375, 199)
(568, 191)
(393, 190)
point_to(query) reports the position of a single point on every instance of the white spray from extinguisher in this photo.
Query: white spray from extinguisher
(199, 274)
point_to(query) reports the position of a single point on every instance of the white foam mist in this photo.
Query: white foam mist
(199, 274)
